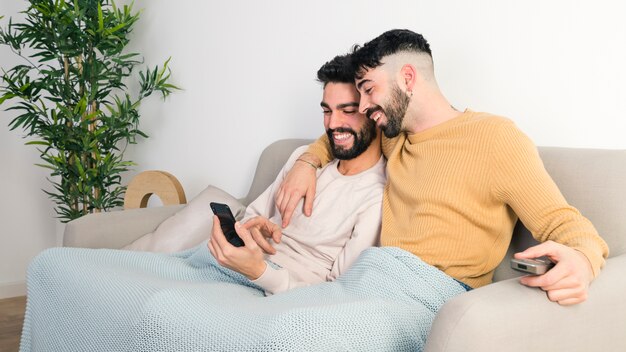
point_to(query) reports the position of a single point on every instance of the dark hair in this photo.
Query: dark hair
(337, 70)
(371, 53)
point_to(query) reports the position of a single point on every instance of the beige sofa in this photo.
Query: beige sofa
(503, 316)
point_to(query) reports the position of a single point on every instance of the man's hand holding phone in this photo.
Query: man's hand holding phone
(568, 281)
(247, 260)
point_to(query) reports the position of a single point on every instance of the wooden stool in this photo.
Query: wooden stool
(147, 183)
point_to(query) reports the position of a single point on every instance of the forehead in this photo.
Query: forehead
(340, 93)
(375, 74)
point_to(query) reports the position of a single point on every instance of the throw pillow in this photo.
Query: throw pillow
(189, 226)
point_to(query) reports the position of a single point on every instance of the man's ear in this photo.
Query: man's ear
(408, 75)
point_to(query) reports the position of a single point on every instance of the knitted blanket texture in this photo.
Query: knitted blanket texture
(110, 300)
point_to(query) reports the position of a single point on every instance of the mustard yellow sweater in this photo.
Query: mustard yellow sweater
(454, 193)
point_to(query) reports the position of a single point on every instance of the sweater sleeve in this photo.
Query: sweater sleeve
(321, 149)
(520, 180)
(366, 233)
(276, 280)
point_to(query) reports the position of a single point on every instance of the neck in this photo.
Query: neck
(430, 110)
(362, 162)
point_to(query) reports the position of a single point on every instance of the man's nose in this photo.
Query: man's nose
(363, 105)
(335, 120)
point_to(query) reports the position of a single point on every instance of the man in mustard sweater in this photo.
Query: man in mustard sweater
(457, 180)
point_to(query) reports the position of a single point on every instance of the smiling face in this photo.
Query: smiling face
(350, 133)
(383, 101)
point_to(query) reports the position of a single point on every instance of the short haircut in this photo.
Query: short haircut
(337, 70)
(370, 55)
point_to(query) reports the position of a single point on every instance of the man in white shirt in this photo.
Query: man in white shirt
(348, 202)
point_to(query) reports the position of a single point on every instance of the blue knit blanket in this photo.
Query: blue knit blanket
(109, 300)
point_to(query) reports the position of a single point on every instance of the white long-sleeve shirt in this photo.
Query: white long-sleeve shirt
(346, 220)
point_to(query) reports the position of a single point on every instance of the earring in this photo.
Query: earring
(410, 94)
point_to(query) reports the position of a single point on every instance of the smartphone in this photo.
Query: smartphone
(227, 223)
(535, 266)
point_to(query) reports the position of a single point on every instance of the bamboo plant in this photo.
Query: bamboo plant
(72, 100)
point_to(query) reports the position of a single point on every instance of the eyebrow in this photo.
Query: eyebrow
(348, 105)
(341, 106)
(360, 84)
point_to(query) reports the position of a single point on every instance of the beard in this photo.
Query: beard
(395, 108)
(362, 140)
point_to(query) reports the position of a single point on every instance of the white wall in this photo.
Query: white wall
(27, 223)
(248, 73)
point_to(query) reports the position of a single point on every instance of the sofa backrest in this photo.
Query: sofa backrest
(271, 161)
(592, 180)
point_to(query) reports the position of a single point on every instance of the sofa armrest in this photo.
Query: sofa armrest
(115, 229)
(507, 316)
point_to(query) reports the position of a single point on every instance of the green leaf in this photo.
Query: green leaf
(37, 143)
(7, 96)
(164, 67)
(100, 18)
(46, 166)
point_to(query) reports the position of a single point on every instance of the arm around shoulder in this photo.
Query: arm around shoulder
(320, 149)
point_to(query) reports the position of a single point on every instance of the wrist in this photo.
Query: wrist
(310, 159)
(308, 163)
(258, 271)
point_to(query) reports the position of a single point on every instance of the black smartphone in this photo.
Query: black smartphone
(227, 223)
